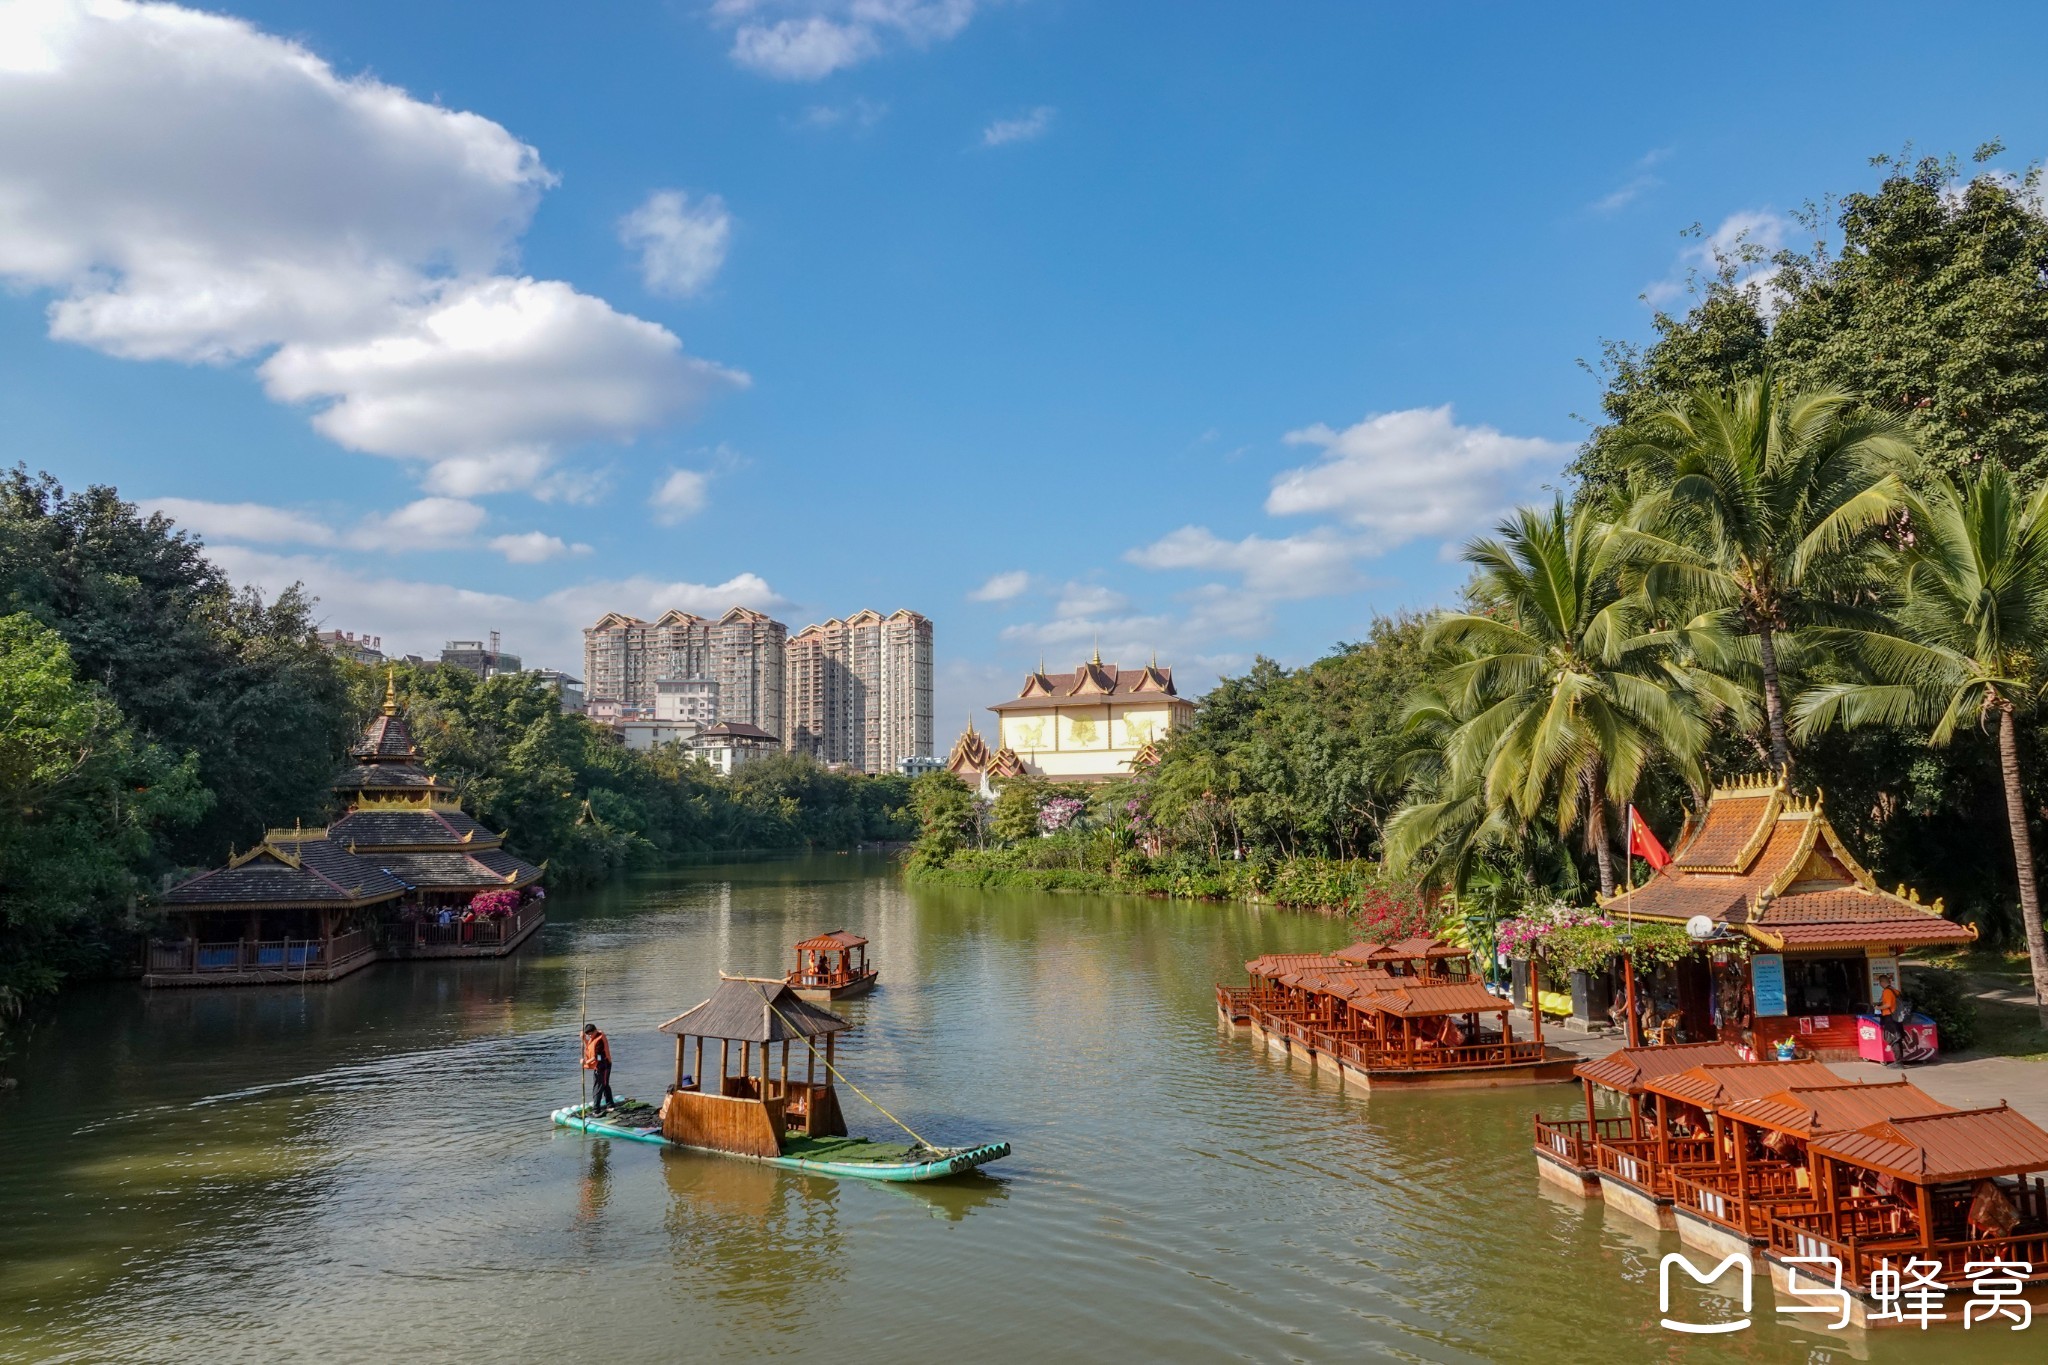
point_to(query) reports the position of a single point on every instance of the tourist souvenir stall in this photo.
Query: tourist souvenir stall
(1794, 934)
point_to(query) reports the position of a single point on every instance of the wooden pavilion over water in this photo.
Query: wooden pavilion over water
(397, 876)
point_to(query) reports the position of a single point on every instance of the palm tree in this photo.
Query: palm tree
(1562, 700)
(1970, 644)
(1756, 495)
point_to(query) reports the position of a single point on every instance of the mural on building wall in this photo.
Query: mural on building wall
(1029, 734)
(1083, 733)
(1135, 729)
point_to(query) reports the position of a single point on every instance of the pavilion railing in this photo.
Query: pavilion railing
(484, 931)
(1380, 1058)
(1572, 1140)
(284, 956)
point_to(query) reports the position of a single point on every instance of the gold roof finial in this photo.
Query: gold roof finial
(1096, 659)
(390, 691)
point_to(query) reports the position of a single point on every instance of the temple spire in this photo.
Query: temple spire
(390, 691)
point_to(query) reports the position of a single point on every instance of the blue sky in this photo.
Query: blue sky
(1198, 328)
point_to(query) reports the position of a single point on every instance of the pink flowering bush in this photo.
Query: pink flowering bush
(1059, 812)
(496, 904)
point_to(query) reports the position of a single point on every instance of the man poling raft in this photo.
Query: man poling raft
(755, 1110)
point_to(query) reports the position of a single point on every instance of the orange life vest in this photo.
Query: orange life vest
(594, 1044)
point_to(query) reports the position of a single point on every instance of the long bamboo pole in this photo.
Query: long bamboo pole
(582, 1020)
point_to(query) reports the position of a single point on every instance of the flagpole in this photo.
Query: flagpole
(1634, 1030)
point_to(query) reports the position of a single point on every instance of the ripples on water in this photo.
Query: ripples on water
(366, 1170)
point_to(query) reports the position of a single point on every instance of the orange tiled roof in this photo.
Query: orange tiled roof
(1627, 1069)
(1969, 1144)
(1768, 863)
(1832, 1109)
(1708, 1086)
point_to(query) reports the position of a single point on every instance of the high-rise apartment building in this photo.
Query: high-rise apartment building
(625, 659)
(860, 690)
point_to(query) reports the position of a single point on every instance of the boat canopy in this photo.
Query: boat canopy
(747, 1009)
(835, 941)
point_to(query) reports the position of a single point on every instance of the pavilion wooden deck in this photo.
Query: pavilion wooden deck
(424, 939)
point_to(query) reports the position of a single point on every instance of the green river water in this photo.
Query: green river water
(366, 1171)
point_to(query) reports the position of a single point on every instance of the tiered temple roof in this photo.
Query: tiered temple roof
(1094, 681)
(1767, 864)
(404, 831)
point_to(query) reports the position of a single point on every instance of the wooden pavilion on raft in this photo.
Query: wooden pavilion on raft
(1950, 1188)
(1389, 1015)
(751, 1107)
(1763, 865)
(832, 967)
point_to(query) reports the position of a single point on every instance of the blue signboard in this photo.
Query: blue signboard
(1767, 981)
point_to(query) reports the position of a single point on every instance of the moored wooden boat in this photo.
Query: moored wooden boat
(832, 966)
(762, 1115)
(1399, 1016)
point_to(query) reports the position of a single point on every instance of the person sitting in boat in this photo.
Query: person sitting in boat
(597, 1058)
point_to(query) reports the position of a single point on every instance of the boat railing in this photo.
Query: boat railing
(1374, 1057)
(838, 976)
(1865, 1244)
(1572, 1139)
(1700, 1193)
(1643, 1163)
(1235, 1002)
(191, 957)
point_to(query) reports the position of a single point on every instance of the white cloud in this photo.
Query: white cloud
(422, 524)
(1023, 128)
(1415, 473)
(680, 496)
(545, 631)
(807, 40)
(1314, 564)
(1090, 599)
(857, 113)
(1002, 587)
(190, 188)
(535, 547)
(681, 244)
(1638, 184)
(245, 521)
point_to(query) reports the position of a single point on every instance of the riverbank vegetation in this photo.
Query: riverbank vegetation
(153, 718)
(1808, 532)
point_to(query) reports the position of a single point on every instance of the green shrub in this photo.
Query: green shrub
(1942, 996)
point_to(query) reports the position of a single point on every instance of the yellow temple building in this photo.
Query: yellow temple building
(1091, 725)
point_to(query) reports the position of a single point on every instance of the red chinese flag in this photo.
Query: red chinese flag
(1643, 844)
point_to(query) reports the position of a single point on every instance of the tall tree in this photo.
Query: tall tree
(1752, 501)
(1970, 646)
(1568, 699)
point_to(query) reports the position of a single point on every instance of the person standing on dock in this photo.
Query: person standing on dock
(597, 1058)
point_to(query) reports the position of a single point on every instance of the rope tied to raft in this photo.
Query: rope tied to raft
(842, 1077)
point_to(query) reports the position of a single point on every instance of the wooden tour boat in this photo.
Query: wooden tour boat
(832, 967)
(760, 1113)
(1392, 1016)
